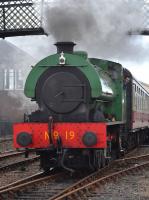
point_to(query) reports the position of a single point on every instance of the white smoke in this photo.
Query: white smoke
(99, 26)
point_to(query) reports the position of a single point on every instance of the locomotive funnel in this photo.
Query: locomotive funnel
(65, 47)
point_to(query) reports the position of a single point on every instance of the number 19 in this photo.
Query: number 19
(70, 135)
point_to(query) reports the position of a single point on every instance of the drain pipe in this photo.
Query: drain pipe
(62, 162)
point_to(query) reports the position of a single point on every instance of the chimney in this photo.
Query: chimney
(65, 47)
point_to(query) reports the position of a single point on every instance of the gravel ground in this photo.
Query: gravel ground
(132, 187)
(135, 187)
(10, 160)
(47, 189)
(138, 152)
(19, 173)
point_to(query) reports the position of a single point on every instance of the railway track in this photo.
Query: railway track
(11, 157)
(7, 152)
(22, 181)
(12, 172)
(18, 164)
(88, 191)
(141, 150)
(5, 139)
(81, 188)
(40, 188)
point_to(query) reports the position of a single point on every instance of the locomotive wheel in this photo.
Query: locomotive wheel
(98, 160)
(103, 160)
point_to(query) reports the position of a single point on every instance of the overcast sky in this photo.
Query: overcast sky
(40, 46)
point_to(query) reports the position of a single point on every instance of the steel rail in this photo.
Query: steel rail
(10, 154)
(18, 163)
(14, 188)
(95, 175)
(22, 181)
(87, 188)
(133, 158)
(5, 140)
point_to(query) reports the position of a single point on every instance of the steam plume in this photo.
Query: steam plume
(101, 27)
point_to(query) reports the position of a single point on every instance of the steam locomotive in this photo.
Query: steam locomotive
(90, 111)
